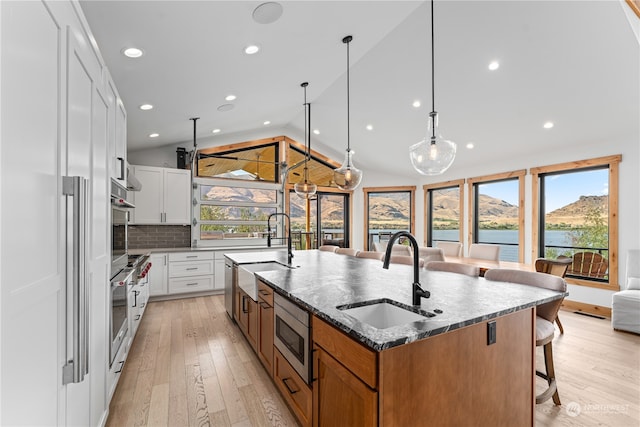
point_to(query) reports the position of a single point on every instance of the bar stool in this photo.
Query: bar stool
(545, 316)
(557, 267)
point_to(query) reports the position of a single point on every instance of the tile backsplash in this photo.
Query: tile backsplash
(159, 236)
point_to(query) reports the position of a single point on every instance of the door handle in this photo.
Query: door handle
(78, 365)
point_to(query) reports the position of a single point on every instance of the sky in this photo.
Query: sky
(560, 190)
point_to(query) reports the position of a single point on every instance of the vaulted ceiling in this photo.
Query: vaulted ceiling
(574, 63)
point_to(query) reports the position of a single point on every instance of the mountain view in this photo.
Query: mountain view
(389, 211)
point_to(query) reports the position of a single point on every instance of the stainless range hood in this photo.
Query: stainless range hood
(132, 182)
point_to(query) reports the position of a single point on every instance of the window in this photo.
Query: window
(330, 227)
(576, 216)
(227, 212)
(243, 161)
(497, 214)
(443, 212)
(388, 210)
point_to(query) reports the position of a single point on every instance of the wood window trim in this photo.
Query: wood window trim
(440, 185)
(519, 174)
(394, 189)
(635, 6)
(612, 162)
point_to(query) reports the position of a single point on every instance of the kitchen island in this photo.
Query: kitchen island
(470, 362)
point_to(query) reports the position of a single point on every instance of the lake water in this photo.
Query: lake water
(508, 252)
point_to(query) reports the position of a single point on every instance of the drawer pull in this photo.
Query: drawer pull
(192, 268)
(265, 305)
(120, 368)
(286, 384)
(263, 292)
(192, 256)
(192, 284)
(137, 317)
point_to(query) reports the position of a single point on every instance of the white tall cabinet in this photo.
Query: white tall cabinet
(57, 119)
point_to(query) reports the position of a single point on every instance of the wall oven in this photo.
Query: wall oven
(292, 335)
(119, 219)
(122, 275)
(121, 284)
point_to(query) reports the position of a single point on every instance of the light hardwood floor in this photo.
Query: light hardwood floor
(190, 366)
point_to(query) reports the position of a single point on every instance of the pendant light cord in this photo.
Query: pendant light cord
(433, 79)
(347, 40)
(307, 129)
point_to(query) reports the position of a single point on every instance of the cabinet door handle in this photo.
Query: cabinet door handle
(265, 305)
(286, 384)
(244, 310)
(120, 368)
(137, 317)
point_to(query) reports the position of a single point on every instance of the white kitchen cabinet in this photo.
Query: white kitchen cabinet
(158, 284)
(165, 197)
(46, 54)
(191, 272)
(137, 300)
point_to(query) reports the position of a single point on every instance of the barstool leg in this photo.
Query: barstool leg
(559, 324)
(551, 373)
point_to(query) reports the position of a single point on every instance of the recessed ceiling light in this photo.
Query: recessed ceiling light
(416, 104)
(267, 13)
(548, 125)
(146, 107)
(229, 97)
(216, 131)
(226, 107)
(470, 145)
(154, 135)
(132, 52)
(251, 49)
(266, 122)
(494, 65)
(316, 131)
(369, 127)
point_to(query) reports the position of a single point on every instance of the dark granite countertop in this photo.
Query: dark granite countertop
(323, 281)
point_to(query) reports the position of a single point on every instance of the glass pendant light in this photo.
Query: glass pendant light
(434, 154)
(347, 176)
(306, 189)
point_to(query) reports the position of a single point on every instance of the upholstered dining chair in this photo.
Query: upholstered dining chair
(453, 267)
(370, 255)
(625, 305)
(328, 248)
(396, 249)
(545, 316)
(404, 259)
(450, 248)
(430, 254)
(347, 251)
(484, 251)
(556, 267)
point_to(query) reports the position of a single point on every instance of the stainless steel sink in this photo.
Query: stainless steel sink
(247, 280)
(383, 314)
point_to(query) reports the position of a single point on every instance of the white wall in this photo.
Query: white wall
(629, 196)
